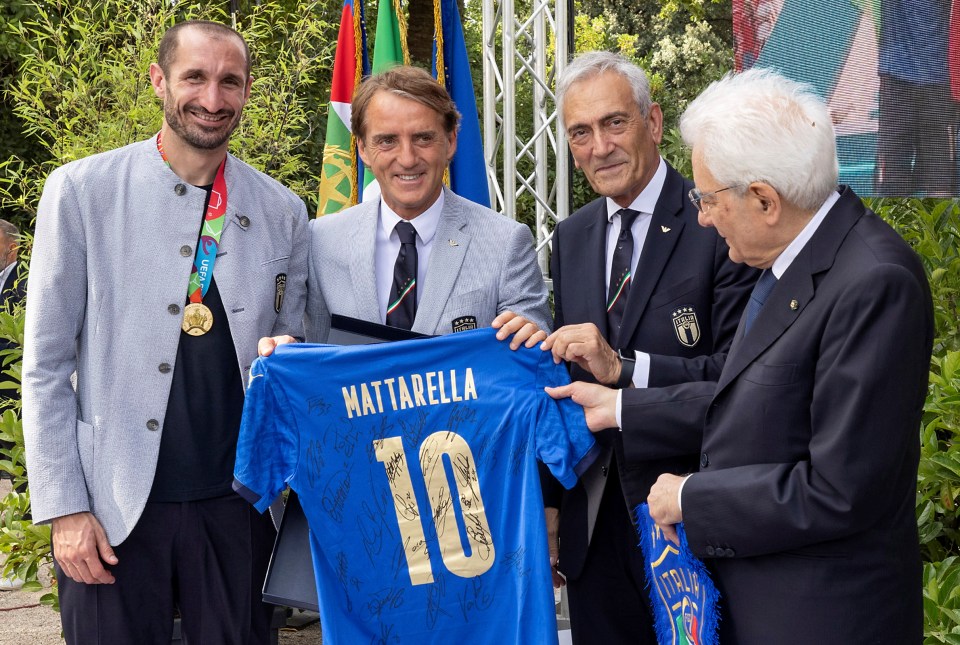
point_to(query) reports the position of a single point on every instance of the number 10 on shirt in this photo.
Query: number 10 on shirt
(438, 453)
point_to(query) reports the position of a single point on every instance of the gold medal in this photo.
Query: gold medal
(197, 319)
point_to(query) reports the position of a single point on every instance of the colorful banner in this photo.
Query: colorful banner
(889, 70)
(683, 596)
(341, 166)
(451, 68)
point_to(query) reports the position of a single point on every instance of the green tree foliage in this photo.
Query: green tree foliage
(83, 87)
(13, 138)
(649, 21)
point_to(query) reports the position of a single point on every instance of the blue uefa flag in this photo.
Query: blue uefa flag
(468, 176)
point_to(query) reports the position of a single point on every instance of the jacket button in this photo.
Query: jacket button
(711, 550)
(180, 190)
(153, 425)
(704, 460)
(164, 368)
(729, 553)
(604, 470)
(244, 221)
(174, 309)
(186, 250)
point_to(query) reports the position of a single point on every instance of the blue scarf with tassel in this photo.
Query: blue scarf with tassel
(683, 596)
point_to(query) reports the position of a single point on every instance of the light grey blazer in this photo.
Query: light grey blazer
(481, 264)
(113, 251)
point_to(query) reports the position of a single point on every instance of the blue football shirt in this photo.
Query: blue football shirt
(415, 463)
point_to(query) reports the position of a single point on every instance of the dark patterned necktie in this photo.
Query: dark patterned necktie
(620, 273)
(402, 306)
(761, 291)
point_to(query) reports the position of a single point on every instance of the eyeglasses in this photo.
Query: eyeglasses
(697, 197)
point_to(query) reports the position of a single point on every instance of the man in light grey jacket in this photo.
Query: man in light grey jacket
(461, 265)
(155, 269)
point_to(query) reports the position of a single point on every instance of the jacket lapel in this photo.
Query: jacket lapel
(450, 245)
(795, 289)
(363, 239)
(662, 235)
(588, 270)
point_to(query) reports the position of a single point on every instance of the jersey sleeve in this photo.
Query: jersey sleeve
(563, 442)
(268, 445)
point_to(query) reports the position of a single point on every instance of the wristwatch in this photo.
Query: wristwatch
(628, 362)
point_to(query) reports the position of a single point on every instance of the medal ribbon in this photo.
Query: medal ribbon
(213, 220)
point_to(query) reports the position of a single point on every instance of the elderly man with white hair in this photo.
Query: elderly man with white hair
(803, 507)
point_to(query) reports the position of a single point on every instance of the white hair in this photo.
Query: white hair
(761, 126)
(593, 64)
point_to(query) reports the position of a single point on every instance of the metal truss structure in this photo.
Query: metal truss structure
(525, 46)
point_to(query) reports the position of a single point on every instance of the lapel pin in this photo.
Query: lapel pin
(794, 305)
(665, 229)
(453, 243)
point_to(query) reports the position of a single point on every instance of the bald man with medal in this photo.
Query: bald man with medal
(156, 267)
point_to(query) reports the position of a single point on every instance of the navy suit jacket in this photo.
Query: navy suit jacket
(683, 274)
(11, 294)
(14, 288)
(804, 505)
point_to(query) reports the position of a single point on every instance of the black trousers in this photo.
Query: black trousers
(916, 148)
(207, 559)
(608, 601)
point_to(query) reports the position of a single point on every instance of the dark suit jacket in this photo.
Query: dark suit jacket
(683, 270)
(12, 291)
(804, 506)
(11, 294)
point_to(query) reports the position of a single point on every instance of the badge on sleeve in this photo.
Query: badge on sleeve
(686, 325)
(464, 323)
(281, 288)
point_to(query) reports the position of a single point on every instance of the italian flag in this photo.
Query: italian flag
(389, 49)
(338, 181)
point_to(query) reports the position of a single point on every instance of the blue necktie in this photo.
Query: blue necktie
(761, 291)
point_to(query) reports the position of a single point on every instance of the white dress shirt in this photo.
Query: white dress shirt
(6, 272)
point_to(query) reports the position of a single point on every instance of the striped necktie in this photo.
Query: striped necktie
(402, 306)
(620, 273)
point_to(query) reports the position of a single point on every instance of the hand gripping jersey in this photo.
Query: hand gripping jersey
(415, 463)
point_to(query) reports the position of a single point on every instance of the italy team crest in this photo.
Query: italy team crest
(464, 323)
(686, 325)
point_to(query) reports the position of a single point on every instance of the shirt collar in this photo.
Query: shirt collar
(6, 272)
(787, 256)
(646, 201)
(425, 223)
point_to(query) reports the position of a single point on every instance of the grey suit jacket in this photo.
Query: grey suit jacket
(481, 265)
(114, 246)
